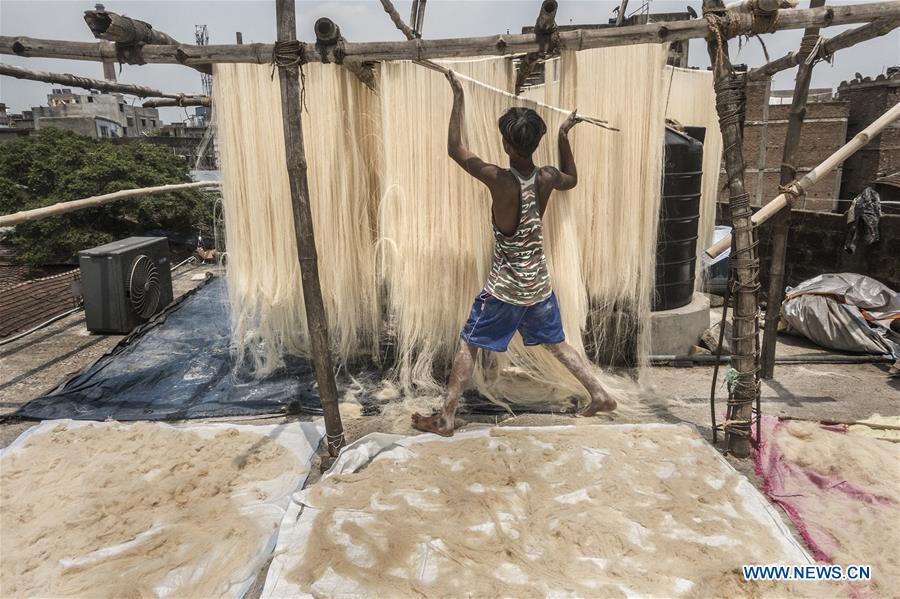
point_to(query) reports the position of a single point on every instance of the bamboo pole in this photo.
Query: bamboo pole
(782, 221)
(140, 91)
(320, 352)
(810, 179)
(579, 39)
(729, 105)
(180, 101)
(828, 47)
(25, 216)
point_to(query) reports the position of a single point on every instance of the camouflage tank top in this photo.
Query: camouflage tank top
(519, 273)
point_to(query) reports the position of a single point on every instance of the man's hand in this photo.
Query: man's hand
(570, 122)
(454, 83)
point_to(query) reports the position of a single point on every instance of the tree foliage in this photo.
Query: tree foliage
(56, 166)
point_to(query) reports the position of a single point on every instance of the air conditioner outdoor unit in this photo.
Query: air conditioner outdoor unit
(125, 283)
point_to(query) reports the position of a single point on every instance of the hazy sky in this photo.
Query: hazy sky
(360, 20)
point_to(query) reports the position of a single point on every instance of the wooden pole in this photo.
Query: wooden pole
(620, 15)
(828, 47)
(320, 351)
(810, 178)
(782, 221)
(544, 32)
(729, 105)
(579, 39)
(419, 23)
(26, 216)
(179, 101)
(414, 14)
(83, 82)
(750, 5)
(398, 21)
(328, 35)
(124, 30)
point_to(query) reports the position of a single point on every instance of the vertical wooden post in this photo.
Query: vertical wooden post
(289, 77)
(729, 105)
(781, 222)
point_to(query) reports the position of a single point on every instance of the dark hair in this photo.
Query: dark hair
(522, 128)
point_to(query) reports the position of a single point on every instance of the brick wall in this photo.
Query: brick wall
(816, 246)
(765, 125)
(30, 303)
(881, 156)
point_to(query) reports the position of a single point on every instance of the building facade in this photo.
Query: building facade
(91, 114)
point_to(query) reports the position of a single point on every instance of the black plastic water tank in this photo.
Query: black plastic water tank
(679, 218)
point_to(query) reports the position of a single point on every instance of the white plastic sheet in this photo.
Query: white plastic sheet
(298, 522)
(300, 438)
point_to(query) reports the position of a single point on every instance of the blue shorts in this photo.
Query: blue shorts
(492, 323)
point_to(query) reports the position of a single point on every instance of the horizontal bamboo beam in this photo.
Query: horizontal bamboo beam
(810, 178)
(180, 101)
(828, 47)
(579, 39)
(25, 216)
(83, 82)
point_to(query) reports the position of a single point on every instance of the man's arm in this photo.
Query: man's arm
(567, 175)
(483, 171)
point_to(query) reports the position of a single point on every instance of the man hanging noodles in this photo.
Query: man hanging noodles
(518, 295)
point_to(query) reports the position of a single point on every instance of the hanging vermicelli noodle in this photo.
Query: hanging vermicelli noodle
(404, 234)
(267, 311)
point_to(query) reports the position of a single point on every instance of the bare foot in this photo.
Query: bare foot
(436, 423)
(606, 404)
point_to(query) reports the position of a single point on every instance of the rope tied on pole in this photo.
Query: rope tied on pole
(764, 21)
(718, 27)
(743, 388)
(793, 191)
(287, 54)
(334, 442)
(725, 24)
(809, 48)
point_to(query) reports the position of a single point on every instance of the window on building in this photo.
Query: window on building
(121, 108)
(130, 121)
(143, 122)
(153, 123)
(90, 99)
(125, 131)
